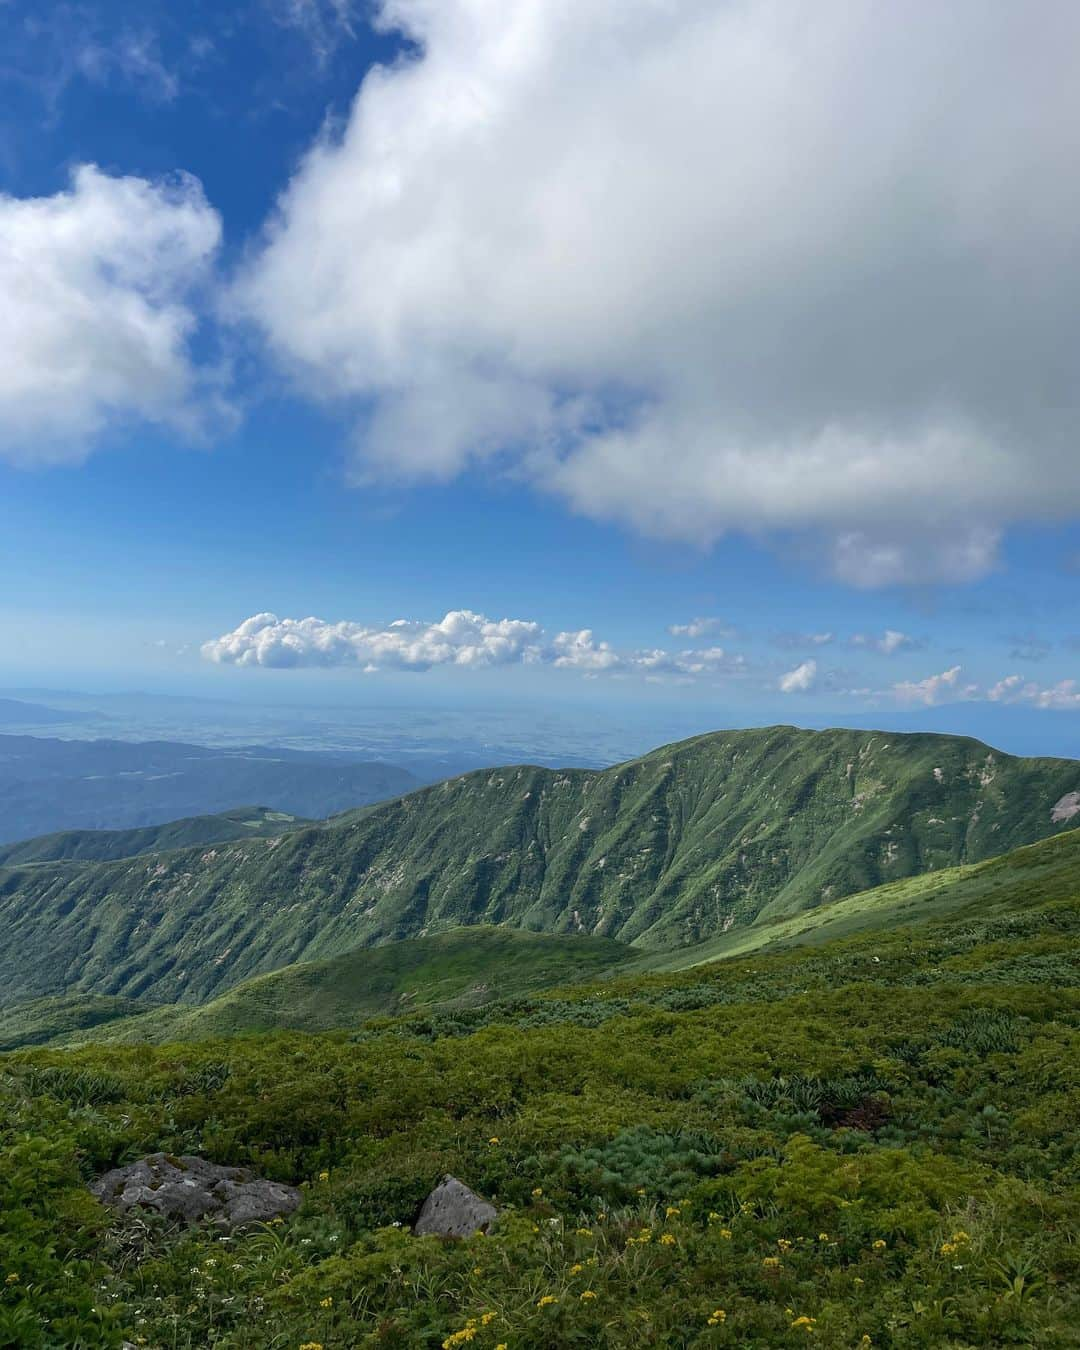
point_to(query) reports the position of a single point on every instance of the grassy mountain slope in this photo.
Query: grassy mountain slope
(690, 841)
(464, 967)
(868, 1142)
(55, 1019)
(479, 965)
(1039, 874)
(244, 822)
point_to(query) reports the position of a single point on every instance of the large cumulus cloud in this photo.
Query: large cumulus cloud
(462, 638)
(98, 312)
(698, 265)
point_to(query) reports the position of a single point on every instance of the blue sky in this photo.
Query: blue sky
(520, 334)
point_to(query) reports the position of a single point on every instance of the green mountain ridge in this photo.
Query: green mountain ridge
(480, 965)
(691, 842)
(243, 822)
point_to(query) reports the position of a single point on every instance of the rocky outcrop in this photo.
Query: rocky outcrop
(191, 1189)
(454, 1211)
(1066, 808)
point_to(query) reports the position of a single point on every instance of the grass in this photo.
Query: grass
(453, 970)
(449, 974)
(870, 1140)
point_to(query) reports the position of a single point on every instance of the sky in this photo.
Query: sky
(667, 354)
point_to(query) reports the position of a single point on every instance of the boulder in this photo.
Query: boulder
(452, 1210)
(190, 1189)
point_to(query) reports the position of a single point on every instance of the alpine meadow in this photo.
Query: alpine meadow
(539, 675)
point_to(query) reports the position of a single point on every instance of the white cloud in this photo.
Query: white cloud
(890, 642)
(96, 311)
(796, 641)
(700, 627)
(799, 680)
(598, 245)
(933, 689)
(134, 57)
(1063, 696)
(958, 551)
(325, 24)
(462, 638)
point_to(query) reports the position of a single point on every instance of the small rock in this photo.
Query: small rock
(452, 1210)
(189, 1189)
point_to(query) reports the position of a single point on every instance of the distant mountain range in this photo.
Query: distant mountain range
(49, 785)
(694, 842)
(15, 713)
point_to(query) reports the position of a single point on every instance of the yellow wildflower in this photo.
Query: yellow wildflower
(592, 1260)
(546, 1301)
(803, 1323)
(501, 1346)
(960, 1236)
(640, 1190)
(478, 1270)
(949, 1248)
(667, 1239)
(494, 1139)
(12, 1279)
(771, 1262)
(576, 1268)
(783, 1244)
(486, 1319)
(719, 1316)
(725, 1233)
(879, 1244)
(583, 1232)
(538, 1191)
(587, 1294)
(672, 1210)
(823, 1237)
(312, 1345)
(326, 1302)
(324, 1176)
(865, 1343)
(858, 1279)
(601, 1217)
(462, 1337)
(713, 1216)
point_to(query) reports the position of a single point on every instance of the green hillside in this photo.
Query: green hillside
(244, 822)
(44, 1020)
(868, 1141)
(464, 967)
(1039, 874)
(694, 840)
(469, 968)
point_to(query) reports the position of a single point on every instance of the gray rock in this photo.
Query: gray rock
(452, 1210)
(190, 1189)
